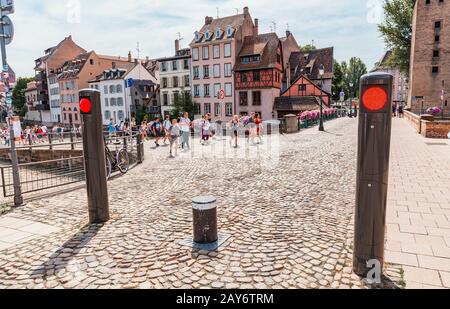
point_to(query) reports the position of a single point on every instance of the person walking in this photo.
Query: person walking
(251, 128)
(206, 130)
(157, 130)
(394, 110)
(174, 134)
(234, 124)
(258, 124)
(400, 110)
(167, 124)
(185, 124)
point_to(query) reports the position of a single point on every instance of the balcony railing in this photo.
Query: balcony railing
(42, 107)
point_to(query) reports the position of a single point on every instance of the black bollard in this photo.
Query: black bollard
(94, 156)
(205, 219)
(374, 140)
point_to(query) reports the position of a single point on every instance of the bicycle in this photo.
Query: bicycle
(120, 161)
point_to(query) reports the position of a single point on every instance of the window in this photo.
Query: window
(217, 90)
(91, 61)
(301, 88)
(245, 60)
(243, 77)
(243, 98)
(256, 98)
(119, 101)
(164, 82)
(175, 81)
(435, 53)
(227, 69)
(163, 66)
(197, 36)
(216, 51)
(65, 116)
(120, 115)
(437, 38)
(186, 64)
(218, 34)
(206, 90)
(196, 91)
(437, 24)
(165, 99)
(195, 54)
(76, 117)
(205, 52)
(105, 89)
(206, 71)
(435, 69)
(207, 35)
(228, 109)
(227, 50)
(278, 58)
(107, 115)
(228, 89)
(187, 81)
(256, 76)
(229, 31)
(198, 109)
(106, 102)
(427, 2)
(217, 70)
(216, 109)
(196, 73)
(119, 88)
(113, 102)
(174, 65)
(207, 108)
(112, 89)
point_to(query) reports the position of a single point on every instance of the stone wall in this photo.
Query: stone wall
(38, 155)
(435, 129)
(428, 128)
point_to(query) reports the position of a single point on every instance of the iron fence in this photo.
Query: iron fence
(49, 174)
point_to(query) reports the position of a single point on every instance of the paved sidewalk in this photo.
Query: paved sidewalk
(419, 208)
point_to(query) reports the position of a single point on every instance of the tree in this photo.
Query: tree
(396, 31)
(338, 80)
(18, 96)
(183, 103)
(307, 48)
(356, 69)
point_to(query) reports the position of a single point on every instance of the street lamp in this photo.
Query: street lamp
(321, 73)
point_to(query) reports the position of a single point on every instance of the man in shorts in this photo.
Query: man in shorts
(157, 130)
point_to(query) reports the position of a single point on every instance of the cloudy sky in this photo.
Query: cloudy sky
(114, 27)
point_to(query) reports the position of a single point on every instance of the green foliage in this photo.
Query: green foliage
(307, 48)
(344, 74)
(338, 80)
(183, 103)
(18, 96)
(356, 69)
(396, 30)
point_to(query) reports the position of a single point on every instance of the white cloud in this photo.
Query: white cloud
(114, 27)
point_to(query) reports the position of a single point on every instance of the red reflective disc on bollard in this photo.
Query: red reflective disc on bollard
(374, 98)
(85, 106)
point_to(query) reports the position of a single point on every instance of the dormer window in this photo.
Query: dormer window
(198, 36)
(230, 31)
(218, 34)
(208, 35)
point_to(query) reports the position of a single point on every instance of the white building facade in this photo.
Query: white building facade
(174, 77)
(115, 94)
(55, 97)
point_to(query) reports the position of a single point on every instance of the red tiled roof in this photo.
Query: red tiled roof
(265, 45)
(72, 68)
(307, 63)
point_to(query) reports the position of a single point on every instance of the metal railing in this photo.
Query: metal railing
(49, 174)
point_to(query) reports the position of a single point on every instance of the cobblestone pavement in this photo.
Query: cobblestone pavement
(290, 224)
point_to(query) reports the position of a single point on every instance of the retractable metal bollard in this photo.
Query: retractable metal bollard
(374, 138)
(94, 156)
(205, 219)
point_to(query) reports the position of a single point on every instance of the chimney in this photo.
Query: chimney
(136, 60)
(256, 28)
(129, 56)
(288, 33)
(246, 11)
(114, 65)
(208, 20)
(177, 46)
